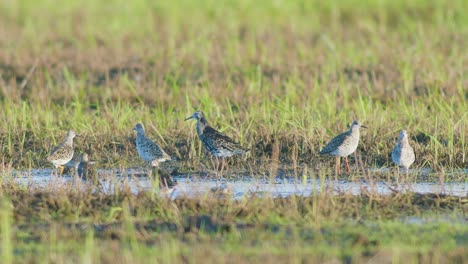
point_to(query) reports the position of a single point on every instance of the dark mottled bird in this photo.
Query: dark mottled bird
(215, 142)
(147, 149)
(343, 145)
(63, 153)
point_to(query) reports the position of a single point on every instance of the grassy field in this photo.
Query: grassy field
(64, 225)
(281, 77)
(291, 72)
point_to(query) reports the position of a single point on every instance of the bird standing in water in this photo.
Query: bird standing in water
(343, 145)
(63, 153)
(403, 153)
(86, 169)
(74, 162)
(148, 150)
(215, 142)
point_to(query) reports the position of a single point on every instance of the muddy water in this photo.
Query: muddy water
(191, 185)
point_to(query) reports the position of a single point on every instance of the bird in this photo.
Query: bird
(403, 153)
(86, 169)
(166, 183)
(148, 150)
(63, 153)
(223, 191)
(343, 145)
(215, 142)
(74, 162)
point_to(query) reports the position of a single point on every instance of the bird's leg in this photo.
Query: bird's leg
(216, 169)
(398, 176)
(337, 167)
(347, 164)
(211, 160)
(217, 165)
(61, 169)
(223, 162)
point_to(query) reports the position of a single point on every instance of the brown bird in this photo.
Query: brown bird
(63, 153)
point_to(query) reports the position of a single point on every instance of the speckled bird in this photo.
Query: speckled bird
(148, 150)
(343, 145)
(215, 142)
(63, 153)
(403, 153)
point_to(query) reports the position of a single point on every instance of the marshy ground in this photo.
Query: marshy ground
(280, 77)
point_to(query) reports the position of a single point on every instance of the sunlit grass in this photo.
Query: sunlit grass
(300, 74)
(281, 77)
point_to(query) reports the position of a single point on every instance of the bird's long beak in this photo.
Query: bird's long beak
(363, 126)
(190, 117)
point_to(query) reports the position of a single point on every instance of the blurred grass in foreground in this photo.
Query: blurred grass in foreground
(66, 223)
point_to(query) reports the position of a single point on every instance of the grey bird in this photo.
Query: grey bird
(403, 153)
(148, 150)
(86, 168)
(343, 145)
(74, 162)
(215, 142)
(63, 153)
(166, 183)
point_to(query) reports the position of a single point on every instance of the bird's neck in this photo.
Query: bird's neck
(354, 130)
(201, 125)
(140, 134)
(404, 141)
(68, 141)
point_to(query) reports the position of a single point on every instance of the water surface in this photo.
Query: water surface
(191, 185)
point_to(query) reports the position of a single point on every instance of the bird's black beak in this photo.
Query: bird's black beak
(190, 117)
(363, 126)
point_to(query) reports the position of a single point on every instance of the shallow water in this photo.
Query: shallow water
(111, 180)
(453, 219)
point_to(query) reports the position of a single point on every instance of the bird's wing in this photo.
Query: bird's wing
(158, 148)
(396, 152)
(334, 143)
(214, 136)
(55, 149)
(59, 151)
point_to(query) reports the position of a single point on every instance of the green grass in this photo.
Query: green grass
(281, 77)
(67, 223)
(299, 75)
